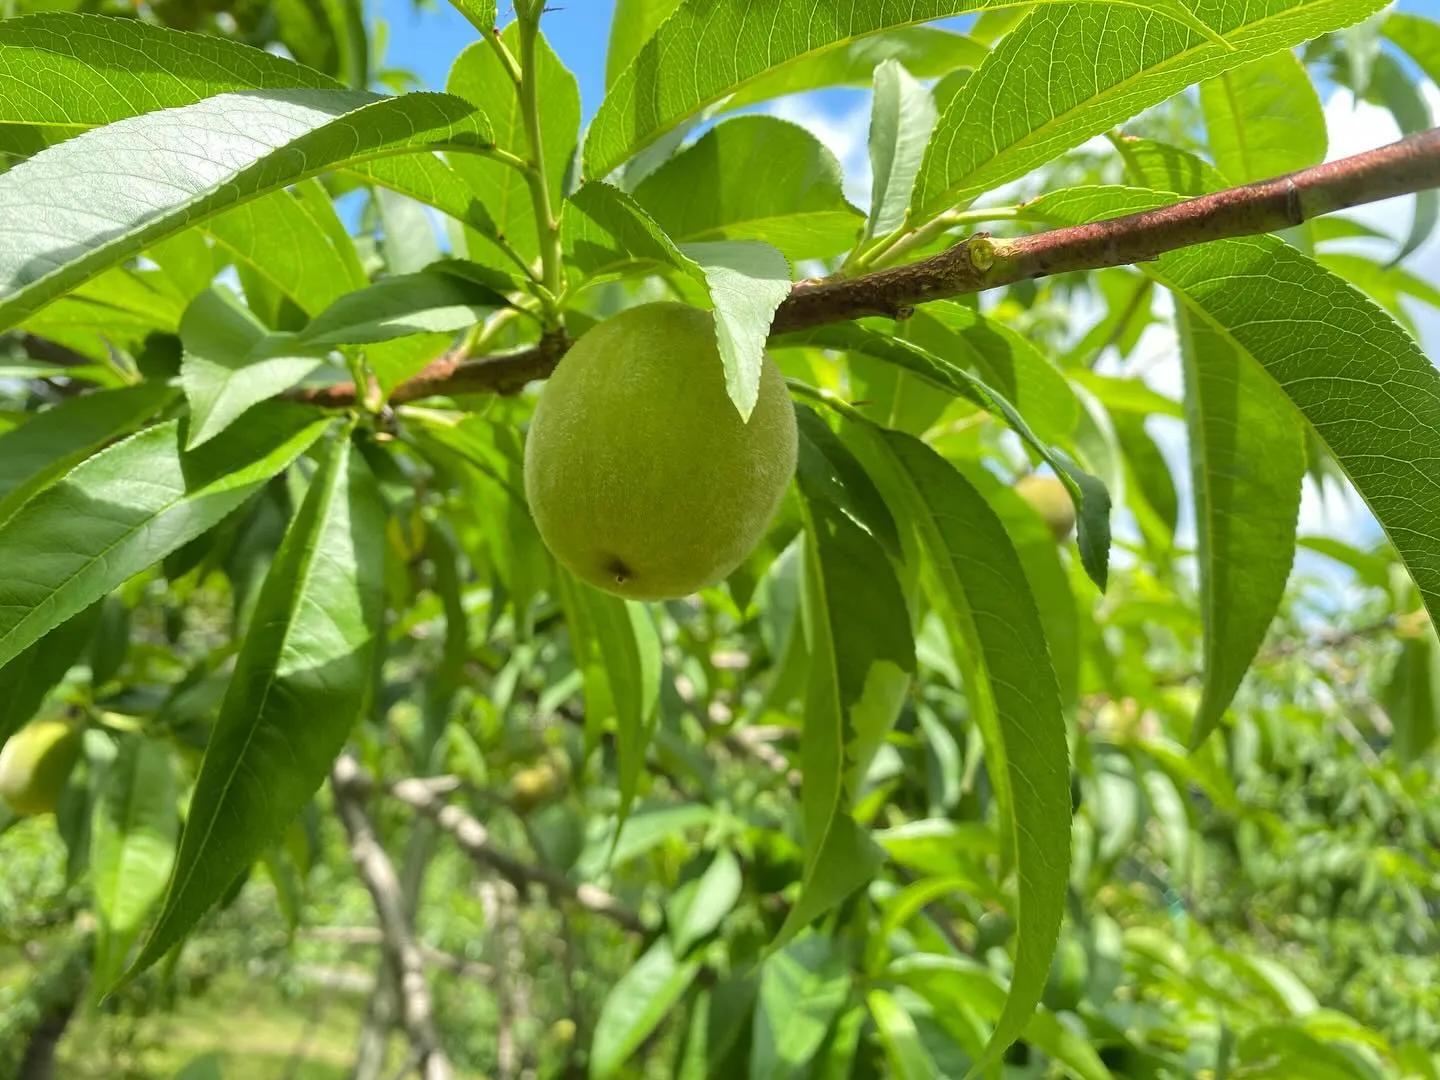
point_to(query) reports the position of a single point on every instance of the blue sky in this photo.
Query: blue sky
(427, 40)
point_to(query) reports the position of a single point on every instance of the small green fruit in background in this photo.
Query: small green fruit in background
(35, 764)
(641, 476)
(1048, 497)
(535, 786)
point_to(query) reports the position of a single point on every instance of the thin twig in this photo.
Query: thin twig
(417, 1011)
(427, 796)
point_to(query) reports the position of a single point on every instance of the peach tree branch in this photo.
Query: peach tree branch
(981, 262)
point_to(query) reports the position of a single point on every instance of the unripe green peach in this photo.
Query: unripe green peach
(641, 476)
(535, 786)
(1049, 498)
(35, 763)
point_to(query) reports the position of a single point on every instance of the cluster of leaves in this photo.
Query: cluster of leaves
(231, 582)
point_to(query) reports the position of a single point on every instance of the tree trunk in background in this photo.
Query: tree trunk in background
(382, 1011)
(38, 1023)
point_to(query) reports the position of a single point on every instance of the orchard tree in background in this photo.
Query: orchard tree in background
(765, 694)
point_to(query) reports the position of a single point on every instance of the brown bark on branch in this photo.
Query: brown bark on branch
(980, 262)
(417, 1010)
(427, 797)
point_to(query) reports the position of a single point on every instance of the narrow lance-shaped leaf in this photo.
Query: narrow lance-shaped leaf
(983, 595)
(231, 363)
(754, 178)
(1087, 492)
(803, 987)
(128, 67)
(1263, 119)
(300, 681)
(1247, 457)
(710, 48)
(430, 301)
(48, 444)
(80, 71)
(25, 683)
(162, 172)
(126, 508)
(901, 119)
(132, 847)
(1391, 86)
(617, 649)
(283, 237)
(861, 657)
(606, 231)
(1012, 115)
(633, 24)
(927, 52)
(637, 1004)
(1358, 379)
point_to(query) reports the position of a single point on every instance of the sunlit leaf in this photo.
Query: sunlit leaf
(979, 146)
(126, 508)
(982, 593)
(161, 172)
(1247, 455)
(132, 847)
(1263, 119)
(301, 677)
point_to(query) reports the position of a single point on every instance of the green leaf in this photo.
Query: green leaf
(132, 847)
(605, 231)
(407, 236)
(25, 683)
(1049, 581)
(1361, 383)
(126, 508)
(617, 648)
(861, 655)
(54, 441)
(754, 178)
(232, 363)
(283, 238)
(803, 987)
(902, 117)
(1247, 457)
(1088, 492)
(111, 192)
(479, 76)
(1006, 360)
(903, 1049)
(1264, 119)
(983, 595)
(927, 52)
(79, 71)
(633, 24)
(695, 910)
(430, 301)
(951, 983)
(481, 13)
(1409, 697)
(978, 146)
(1390, 85)
(710, 48)
(827, 469)
(637, 1004)
(301, 678)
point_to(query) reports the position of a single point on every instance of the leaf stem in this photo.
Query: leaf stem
(551, 265)
(827, 398)
(507, 58)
